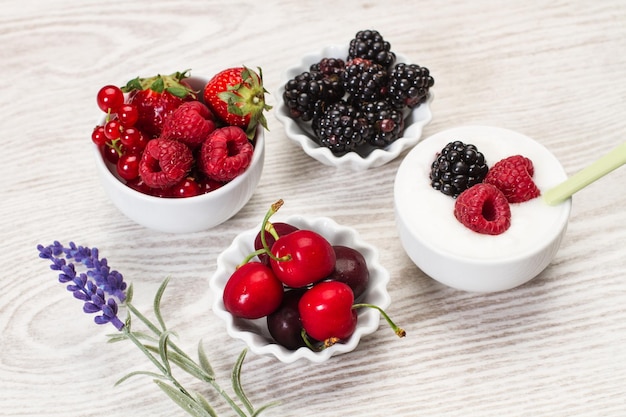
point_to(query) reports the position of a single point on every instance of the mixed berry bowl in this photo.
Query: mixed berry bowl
(365, 156)
(452, 253)
(255, 333)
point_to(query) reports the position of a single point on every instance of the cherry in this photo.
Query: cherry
(272, 231)
(302, 258)
(110, 98)
(284, 324)
(351, 269)
(252, 291)
(326, 312)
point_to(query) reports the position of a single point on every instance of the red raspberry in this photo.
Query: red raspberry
(164, 163)
(190, 123)
(513, 176)
(225, 154)
(484, 209)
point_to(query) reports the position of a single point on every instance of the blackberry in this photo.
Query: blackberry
(369, 44)
(409, 85)
(309, 93)
(329, 66)
(386, 123)
(341, 128)
(458, 167)
(364, 81)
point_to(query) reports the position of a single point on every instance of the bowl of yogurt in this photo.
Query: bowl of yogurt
(449, 252)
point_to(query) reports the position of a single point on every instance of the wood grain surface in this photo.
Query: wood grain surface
(554, 71)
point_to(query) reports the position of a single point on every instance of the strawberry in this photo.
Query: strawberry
(513, 176)
(237, 97)
(157, 97)
(191, 123)
(225, 154)
(484, 209)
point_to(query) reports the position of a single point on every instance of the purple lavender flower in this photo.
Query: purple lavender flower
(93, 286)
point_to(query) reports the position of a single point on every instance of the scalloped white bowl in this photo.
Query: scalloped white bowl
(254, 333)
(183, 215)
(452, 254)
(301, 133)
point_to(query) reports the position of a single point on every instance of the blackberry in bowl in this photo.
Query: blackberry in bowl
(362, 74)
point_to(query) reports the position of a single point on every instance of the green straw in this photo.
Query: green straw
(584, 177)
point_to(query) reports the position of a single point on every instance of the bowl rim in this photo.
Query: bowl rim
(379, 279)
(377, 157)
(563, 218)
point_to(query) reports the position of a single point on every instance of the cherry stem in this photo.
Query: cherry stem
(398, 330)
(266, 225)
(308, 342)
(250, 256)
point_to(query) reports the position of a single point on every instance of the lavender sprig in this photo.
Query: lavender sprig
(101, 289)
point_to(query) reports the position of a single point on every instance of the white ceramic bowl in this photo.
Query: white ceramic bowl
(301, 133)
(183, 215)
(254, 333)
(452, 254)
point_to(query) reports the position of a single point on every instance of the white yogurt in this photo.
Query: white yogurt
(429, 214)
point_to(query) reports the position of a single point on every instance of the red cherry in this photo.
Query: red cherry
(350, 268)
(252, 291)
(280, 228)
(110, 98)
(326, 312)
(303, 258)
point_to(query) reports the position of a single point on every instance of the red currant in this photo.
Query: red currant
(132, 138)
(112, 129)
(252, 291)
(112, 151)
(97, 136)
(302, 258)
(110, 98)
(127, 115)
(326, 312)
(187, 187)
(128, 165)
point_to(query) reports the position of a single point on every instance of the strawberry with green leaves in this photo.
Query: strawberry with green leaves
(156, 98)
(237, 97)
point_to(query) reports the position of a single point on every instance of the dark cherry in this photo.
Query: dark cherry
(284, 324)
(281, 228)
(351, 269)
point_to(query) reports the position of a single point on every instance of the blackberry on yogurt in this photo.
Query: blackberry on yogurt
(457, 167)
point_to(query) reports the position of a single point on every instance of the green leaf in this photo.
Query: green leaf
(158, 85)
(185, 402)
(157, 302)
(163, 351)
(138, 373)
(265, 407)
(204, 361)
(129, 293)
(186, 364)
(236, 381)
(205, 404)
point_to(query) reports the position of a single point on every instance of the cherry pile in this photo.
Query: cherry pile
(307, 289)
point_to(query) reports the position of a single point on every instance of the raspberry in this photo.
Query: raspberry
(513, 176)
(191, 123)
(225, 154)
(484, 209)
(164, 163)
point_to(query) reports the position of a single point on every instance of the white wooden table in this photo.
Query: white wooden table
(555, 71)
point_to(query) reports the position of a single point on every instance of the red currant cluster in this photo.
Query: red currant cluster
(303, 285)
(121, 141)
